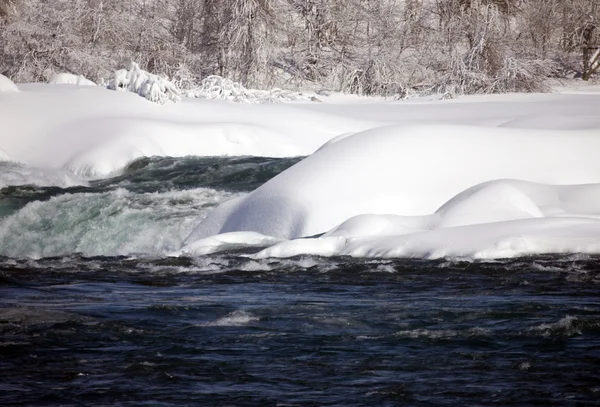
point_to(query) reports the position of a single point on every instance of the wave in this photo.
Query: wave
(236, 318)
(154, 174)
(148, 209)
(116, 222)
(13, 173)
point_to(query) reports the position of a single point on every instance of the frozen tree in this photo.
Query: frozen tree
(387, 47)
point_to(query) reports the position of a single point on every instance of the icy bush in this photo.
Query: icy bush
(6, 85)
(152, 87)
(160, 90)
(217, 87)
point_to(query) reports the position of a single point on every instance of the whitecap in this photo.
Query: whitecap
(236, 318)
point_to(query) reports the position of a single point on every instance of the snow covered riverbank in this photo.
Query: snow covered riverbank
(476, 177)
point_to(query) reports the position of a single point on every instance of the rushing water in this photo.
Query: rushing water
(91, 327)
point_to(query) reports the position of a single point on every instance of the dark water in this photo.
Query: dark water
(226, 330)
(161, 174)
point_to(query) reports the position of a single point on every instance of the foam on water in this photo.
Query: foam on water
(117, 222)
(567, 326)
(12, 173)
(236, 318)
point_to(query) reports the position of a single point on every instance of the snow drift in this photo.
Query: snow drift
(497, 219)
(405, 170)
(95, 132)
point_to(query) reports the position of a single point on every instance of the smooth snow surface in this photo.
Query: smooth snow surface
(94, 132)
(504, 218)
(4, 156)
(472, 183)
(408, 170)
(6, 85)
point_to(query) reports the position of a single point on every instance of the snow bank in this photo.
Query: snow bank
(70, 79)
(6, 85)
(483, 241)
(408, 170)
(497, 219)
(388, 179)
(152, 87)
(94, 132)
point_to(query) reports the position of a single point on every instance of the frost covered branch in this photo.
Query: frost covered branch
(384, 47)
(152, 87)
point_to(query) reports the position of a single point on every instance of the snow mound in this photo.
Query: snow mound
(128, 140)
(152, 87)
(484, 241)
(497, 219)
(408, 171)
(70, 79)
(95, 132)
(6, 85)
(217, 87)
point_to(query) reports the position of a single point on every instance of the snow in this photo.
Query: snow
(217, 87)
(95, 132)
(475, 177)
(407, 170)
(225, 241)
(497, 219)
(6, 85)
(473, 184)
(4, 156)
(70, 79)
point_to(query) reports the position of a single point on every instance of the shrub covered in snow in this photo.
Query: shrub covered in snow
(70, 79)
(6, 85)
(217, 87)
(152, 87)
(160, 90)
